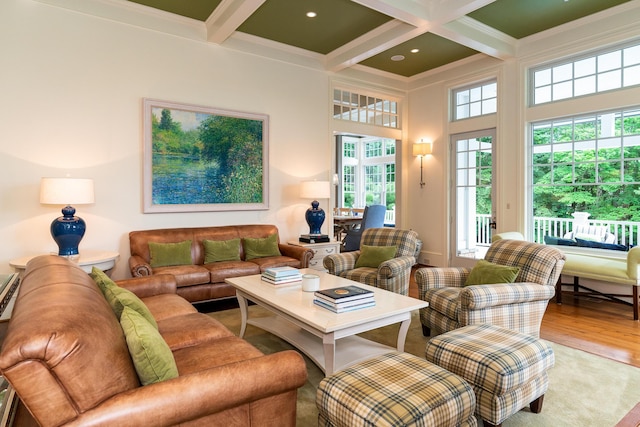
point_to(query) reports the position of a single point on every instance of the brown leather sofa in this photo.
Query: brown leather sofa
(203, 282)
(66, 357)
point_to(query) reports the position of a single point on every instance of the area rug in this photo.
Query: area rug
(584, 390)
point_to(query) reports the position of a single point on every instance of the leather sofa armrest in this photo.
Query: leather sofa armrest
(150, 285)
(197, 395)
(297, 252)
(139, 267)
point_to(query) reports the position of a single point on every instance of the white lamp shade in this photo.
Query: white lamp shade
(66, 191)
(422, 149)
(315, 190)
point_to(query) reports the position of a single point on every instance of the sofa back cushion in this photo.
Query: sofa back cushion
(139, 240)
(64, 347)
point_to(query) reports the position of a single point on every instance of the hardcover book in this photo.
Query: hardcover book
(343, 293)
(323, 304)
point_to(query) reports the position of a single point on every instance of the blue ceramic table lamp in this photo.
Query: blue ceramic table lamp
(67, 230)
(315, 215)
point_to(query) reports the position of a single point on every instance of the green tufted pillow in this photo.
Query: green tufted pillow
(373, 256)
(119, 298)
(221, 250)
(168, 254)
(260, 248)
(486, 272)
(151, 355)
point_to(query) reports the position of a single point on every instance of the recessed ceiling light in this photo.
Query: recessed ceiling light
(415, 50)
(311, 14)
(397, 58)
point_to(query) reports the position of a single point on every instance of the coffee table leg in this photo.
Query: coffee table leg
(329, 347)
(244, 313)
(402, 333)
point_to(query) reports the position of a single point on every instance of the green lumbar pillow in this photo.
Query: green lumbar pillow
(373, 256)
(260, 248)
(119, 298)
(102, 280)
(151, 355)
(486, 272)
(221, 250)
(168, 254)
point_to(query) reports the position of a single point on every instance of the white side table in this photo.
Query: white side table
(320, 250)
(104, 260)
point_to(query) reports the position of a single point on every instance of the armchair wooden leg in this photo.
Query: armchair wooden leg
(536, 405)
(488, 424)
(426, 331)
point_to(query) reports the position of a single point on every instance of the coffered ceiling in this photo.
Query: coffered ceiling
(401, 37)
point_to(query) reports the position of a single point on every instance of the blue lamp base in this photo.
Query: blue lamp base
(315, 217)
(67, 231)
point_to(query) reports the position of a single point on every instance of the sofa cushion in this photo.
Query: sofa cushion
(167, 254)
(191, 329)
(261, 247)
(118, 297)
(599, 245)
(151, 355)
(373, 256)
(186, 275)
(219, 271)
(486, 272)
(221, 250)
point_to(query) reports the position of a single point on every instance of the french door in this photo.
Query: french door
(473, 212)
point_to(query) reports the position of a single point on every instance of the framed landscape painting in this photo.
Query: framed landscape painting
(203, 159)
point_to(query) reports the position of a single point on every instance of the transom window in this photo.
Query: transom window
(361, 108)
(475, 100)
(607, 70)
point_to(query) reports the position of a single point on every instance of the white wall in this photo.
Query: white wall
(71, 90)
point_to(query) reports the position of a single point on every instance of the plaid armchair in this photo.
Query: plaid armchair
(517, 306)
(392, 275)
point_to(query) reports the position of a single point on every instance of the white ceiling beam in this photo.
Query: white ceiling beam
(412, 12)
(471, 33)
(382, 38)
(444, 11)
(228, 16)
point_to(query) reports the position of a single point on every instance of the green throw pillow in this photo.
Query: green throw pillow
(260, 248)
(221, 250)
(119, 298)
(373, 256)
(151, 355)
(486, 272)
(101, 279)
(167, 254)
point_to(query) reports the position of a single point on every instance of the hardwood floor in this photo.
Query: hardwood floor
(604, 328)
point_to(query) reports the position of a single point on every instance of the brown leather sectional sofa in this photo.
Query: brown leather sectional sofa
(203, 282)
(66, 356)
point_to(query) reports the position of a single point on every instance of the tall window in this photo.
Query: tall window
(607, 70)
(475, 100)
(362, 108)
(587, 163)
(368, 173)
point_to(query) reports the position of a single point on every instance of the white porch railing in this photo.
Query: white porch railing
(627, 232)
(390, 217)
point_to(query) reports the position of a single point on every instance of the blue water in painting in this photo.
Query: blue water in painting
(184, 180)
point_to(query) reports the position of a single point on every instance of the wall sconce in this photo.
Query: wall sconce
(421, 149)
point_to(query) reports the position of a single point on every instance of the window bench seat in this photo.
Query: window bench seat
(608, 266)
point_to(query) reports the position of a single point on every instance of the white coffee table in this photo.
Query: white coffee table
(328, 339)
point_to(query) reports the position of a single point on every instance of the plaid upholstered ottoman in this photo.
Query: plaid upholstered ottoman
(395, 389)
(507, 369)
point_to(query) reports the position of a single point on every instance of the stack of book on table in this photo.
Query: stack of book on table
(346, 298)
(281, 275)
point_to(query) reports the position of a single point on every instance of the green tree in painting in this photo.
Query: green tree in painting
(235, 145)
(169, 138)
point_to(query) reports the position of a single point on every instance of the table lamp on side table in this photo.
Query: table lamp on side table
(67, 230)
(315, 215)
